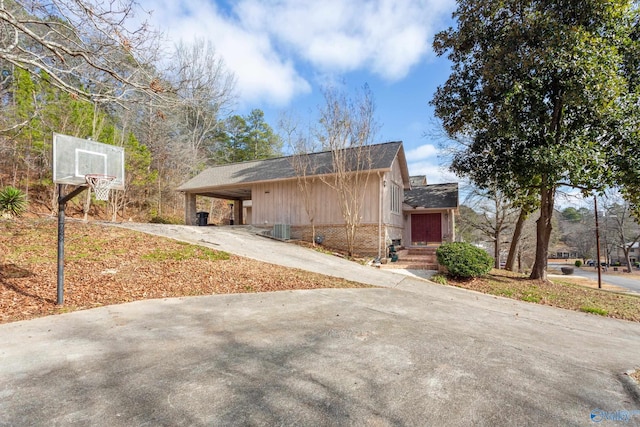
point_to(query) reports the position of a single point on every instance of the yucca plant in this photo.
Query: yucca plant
(13, 202)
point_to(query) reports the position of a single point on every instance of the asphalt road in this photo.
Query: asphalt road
(630, 282)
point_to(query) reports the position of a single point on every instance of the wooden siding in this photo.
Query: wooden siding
(393, 177)
(282, 202)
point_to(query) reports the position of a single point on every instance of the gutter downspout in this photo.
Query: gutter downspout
(380, 199)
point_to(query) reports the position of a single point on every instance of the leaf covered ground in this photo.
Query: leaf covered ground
(108, 265)
(568, 293)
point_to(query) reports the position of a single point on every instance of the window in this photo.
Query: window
(395, 198)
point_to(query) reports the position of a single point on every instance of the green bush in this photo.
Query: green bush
(12, 201)
(464, 260)
(578, 263)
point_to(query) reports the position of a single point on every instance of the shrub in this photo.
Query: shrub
(578, 263)
(464, 260)
(12, 201)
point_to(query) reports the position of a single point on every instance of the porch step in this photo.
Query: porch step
(408, 266)
(410, 259)
(429, 250)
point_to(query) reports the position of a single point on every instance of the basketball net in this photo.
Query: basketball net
(100, 184)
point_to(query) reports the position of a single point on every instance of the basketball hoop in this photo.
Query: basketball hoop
(100, 184)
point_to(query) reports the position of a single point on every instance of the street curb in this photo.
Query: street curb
(631, 385)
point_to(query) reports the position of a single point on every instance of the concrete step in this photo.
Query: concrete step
(431, 250)
(414, 260)
(409, 266)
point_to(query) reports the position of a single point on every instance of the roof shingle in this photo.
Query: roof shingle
(382, 156)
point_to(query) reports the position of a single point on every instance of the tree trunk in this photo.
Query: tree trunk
(627, 252)
(496, 248)
(543, 233)
(87, 205)
(513, 247)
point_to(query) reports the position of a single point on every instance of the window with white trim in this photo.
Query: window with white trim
(395, 198)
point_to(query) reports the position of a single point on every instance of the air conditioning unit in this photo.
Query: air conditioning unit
(282, 231)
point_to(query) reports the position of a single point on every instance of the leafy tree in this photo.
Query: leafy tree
(541, 92)
(571, 214)
(247, 138)
(263, 142)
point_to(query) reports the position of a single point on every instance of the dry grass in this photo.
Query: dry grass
(108, 265)
(558, 292)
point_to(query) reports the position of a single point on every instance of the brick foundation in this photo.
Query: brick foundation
(366, 242)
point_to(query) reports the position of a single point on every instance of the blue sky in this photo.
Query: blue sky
(284, 51)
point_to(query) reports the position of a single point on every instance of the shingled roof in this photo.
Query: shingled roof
(239, 174)
(434, 196)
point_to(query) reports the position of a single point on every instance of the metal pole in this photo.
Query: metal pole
(62, 203)
(61, 206)
(595, 207)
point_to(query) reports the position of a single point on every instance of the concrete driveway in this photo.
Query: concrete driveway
(415, 354)
(243, 241)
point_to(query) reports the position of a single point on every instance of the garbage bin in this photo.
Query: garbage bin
(203, 218)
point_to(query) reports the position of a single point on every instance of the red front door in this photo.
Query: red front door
(426, 228)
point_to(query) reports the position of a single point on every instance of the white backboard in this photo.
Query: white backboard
(74, 158)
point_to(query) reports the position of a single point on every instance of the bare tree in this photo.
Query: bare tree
(347, 128)
(496, 215)
(305, 169)
(624, 226)
(205, 92)
(94, 50)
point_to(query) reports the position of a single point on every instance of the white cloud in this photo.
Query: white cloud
(267, 42)
(423, 152)
(387, 36)
(262, 74)
(435, 173)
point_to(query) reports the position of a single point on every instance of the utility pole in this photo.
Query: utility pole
(595, 208)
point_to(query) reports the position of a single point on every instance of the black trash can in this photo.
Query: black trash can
(203, 218)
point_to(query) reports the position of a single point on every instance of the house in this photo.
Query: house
(396, 208)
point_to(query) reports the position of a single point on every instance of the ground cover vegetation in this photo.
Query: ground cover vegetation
(108, 265)
(566, 293)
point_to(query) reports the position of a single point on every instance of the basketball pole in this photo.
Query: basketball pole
(62, 203)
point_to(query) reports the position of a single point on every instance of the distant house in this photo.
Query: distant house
(396, 209)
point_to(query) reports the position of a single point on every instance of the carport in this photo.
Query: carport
(235, 194)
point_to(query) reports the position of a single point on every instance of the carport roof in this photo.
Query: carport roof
(233, 181)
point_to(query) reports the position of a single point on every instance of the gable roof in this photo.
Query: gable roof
(321, 163)
(433, 196)
(418, 180)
